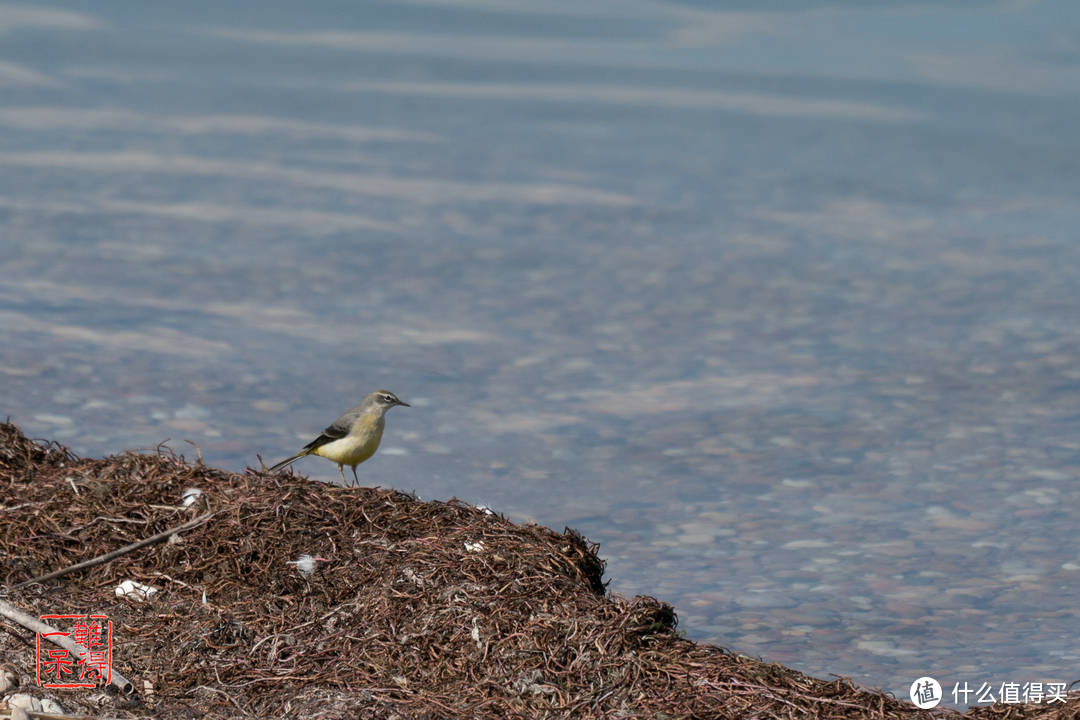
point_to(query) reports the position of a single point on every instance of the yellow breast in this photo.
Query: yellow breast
(358, 445)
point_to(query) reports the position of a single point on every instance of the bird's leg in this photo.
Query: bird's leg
(341, 469)
(354, 477)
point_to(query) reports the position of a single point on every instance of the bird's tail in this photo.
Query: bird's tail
(287, 462)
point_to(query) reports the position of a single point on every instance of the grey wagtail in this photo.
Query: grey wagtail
(352, 438)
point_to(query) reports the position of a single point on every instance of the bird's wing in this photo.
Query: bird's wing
(337, 430)
(327, 436)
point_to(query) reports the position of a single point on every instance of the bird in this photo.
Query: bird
(352, 438)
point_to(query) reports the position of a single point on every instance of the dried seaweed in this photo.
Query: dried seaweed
(412, 609)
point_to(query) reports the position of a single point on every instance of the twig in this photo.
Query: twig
(53, 635)
(34, 715)
(222, 692)
(117, 553)
(196, 449)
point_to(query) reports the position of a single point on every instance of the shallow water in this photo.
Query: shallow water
(780, 307)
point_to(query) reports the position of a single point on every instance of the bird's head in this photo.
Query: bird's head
(385, 400)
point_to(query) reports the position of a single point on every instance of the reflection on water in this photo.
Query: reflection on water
(778, 306)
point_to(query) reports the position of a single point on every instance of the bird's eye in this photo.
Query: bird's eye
(388, 398)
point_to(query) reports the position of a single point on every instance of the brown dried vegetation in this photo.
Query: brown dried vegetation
(414, 609)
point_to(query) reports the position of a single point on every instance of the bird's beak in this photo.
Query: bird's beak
(403, 404)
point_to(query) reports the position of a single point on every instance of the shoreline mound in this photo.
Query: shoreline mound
(402, 609)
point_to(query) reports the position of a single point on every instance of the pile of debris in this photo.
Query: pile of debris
(287, 596)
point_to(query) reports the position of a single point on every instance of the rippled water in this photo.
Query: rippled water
(779, 306)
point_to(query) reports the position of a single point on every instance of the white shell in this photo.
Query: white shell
(135, 591)
(191, 495)
(305, 564)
